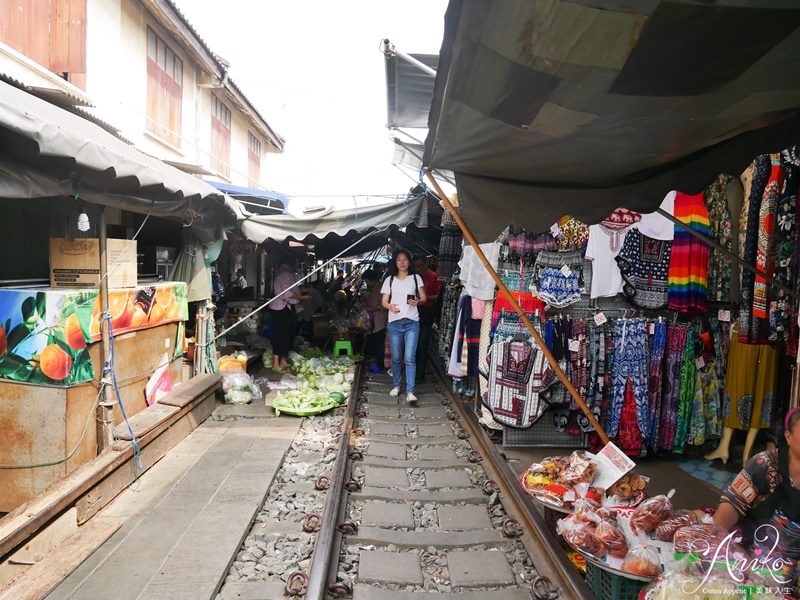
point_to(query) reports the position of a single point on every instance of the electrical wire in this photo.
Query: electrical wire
(294, 285)
(137, 467)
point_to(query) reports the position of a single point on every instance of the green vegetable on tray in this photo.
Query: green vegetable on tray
(303, 402)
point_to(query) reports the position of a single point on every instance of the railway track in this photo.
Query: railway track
(406, 502)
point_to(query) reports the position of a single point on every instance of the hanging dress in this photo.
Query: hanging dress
(720, 230)
(783, 308)
(750, 383)
(765, 248)
(688, 263)
(673, 358)
(748, 324)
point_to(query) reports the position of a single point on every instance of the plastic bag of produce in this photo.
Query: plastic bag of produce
(240, 388)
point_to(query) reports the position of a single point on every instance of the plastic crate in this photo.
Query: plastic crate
(610, 586)
(542, 434)
(551, 519)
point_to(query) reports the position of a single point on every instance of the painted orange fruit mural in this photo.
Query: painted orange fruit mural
(73, 334)
(54, 362)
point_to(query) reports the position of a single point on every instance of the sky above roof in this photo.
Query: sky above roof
(314, 70)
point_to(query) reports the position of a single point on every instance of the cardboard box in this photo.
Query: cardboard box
(76, 263)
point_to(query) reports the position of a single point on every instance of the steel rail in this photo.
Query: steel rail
(326, 550)
(544, 549)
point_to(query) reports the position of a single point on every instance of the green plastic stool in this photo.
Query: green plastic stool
(343, 345)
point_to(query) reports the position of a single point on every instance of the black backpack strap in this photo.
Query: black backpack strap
(391, 281)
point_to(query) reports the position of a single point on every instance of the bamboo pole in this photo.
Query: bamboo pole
(539, 341)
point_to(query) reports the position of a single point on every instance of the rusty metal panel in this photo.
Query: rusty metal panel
(32, 432)
(136, 356)
(40, 424)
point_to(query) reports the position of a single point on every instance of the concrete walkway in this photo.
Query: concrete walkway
(185, 518)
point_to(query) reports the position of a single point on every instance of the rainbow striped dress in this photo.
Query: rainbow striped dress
(688, 263)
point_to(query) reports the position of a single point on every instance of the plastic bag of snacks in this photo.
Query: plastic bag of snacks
(613, 537)
(700, 538)
(628, 490)
(651, 512)
(665, 531)
(580, 535)
(579, 470)
(642, 559)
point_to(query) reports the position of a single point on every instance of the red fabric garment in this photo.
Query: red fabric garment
(629, 438)
(621, 218)
(432, 286)
(765, 250)
(527, 302)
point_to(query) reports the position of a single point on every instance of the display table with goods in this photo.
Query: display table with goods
(51, 358)
(639, 547)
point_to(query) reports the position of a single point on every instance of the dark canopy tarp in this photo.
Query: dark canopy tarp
(545, 108)
(409, 90)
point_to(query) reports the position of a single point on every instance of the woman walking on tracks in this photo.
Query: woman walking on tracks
(402, 292)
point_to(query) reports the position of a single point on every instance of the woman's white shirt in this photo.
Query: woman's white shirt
(400, 289)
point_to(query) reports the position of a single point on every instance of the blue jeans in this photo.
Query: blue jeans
(400, 332)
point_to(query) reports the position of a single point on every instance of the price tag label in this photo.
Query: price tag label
(555, 230)
(600, 383)
(700, 363)
(724, 315)
(600, 318)
(651, 328)
(574, 345)
(566, 271)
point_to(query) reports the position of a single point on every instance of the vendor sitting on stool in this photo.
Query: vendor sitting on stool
(767, 492)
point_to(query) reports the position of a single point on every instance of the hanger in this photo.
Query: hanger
(520, 336)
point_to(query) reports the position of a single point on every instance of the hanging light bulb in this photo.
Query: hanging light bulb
(83, 221)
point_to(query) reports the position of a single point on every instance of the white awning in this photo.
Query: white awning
(62, 145)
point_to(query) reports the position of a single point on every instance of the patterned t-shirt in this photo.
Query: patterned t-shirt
(644, 264)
